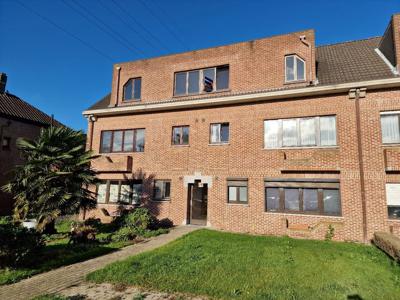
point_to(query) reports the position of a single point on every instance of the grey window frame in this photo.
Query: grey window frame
(238, 183)
(133, 80)
(201, 82)
(181, 143)
(320, 186)
(163, 197)
(298, 143)
(101, 150)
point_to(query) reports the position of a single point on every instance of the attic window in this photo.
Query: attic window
(295, 68)
(133, 89)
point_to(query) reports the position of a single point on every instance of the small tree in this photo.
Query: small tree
(54, 178)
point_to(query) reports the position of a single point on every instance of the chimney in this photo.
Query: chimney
(3, 82)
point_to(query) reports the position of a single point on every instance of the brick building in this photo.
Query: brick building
(271, 136)
(17, 119)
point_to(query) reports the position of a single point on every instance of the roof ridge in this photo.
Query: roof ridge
(351, 41)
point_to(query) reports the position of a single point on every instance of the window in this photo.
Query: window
(119, 191)
(393, 200)
(130, 140)
(201, 81)
(162, 190)
(237, 191)
(300, 132)
(390, 124)
(219, 133)
(180, 135)
(304, 197)
(133, 89)
(295, 69)
(6, 143)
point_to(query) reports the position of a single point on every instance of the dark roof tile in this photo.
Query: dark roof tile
(14, 107)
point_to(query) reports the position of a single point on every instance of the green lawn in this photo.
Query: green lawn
(58, 253)
(226, 265)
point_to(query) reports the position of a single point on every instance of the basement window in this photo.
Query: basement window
(320, 198)
(393, 200)
(237, 191)
(295, 68)
(119, 191)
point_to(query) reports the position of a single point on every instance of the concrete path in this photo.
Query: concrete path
(56, 280)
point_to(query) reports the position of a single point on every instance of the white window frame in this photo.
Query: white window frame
(295, 69)
(385, 113)
(219, 135)
(298, 144)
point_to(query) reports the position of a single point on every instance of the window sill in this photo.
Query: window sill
(304, 215)
(294, 81)
(201, 94)
(179, 146)
(218, 144)
(161, 201)
(119, 153)
(130, 101)
(238, 204)
(391, 145)
(304, 147)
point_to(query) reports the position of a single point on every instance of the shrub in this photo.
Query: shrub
(389, 243)
(124, 234)
(330, 233)
(18, 245)
(151, 233)
(139, 220)
(81, 234)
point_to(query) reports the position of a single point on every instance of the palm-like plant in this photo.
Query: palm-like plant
(54, 178)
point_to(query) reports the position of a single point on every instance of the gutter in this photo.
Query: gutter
(245, 98)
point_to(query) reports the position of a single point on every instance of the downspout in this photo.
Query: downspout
(356, 94)
(304, 41)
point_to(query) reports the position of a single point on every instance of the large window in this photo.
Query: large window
(300, 132)
(133, 89)
(180, 135)
(162, 190)
(119, 191)
(219, 133)
(201, 81)
(129, 140)
(237, 191)
(390, 124)
(322, 198)
(393, 200)
(295, 68)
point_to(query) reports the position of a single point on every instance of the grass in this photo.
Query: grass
(229, 266)
(58, 253)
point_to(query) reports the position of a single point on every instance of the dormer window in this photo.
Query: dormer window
(295, 68)
(201, 81)
(133, 89)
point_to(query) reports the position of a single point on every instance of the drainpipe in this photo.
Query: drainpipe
(304, 41)
(8, 123)
(356, 94)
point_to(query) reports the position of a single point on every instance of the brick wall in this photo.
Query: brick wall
(244, 156)
(10, 158)
(254, 65)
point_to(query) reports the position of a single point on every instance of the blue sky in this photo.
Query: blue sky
(63, 75)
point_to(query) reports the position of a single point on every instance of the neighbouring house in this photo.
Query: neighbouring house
(271, 136)
(17, 119)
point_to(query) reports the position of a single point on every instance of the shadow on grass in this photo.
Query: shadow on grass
(354, 297)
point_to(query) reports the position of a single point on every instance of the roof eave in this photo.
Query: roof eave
(239, 99)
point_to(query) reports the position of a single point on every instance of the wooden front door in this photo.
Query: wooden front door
(198, 203)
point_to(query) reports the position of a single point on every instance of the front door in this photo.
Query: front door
(198, 203)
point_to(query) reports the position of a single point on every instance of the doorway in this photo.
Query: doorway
(197, 203)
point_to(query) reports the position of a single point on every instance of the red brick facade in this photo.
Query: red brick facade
(254, 66)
